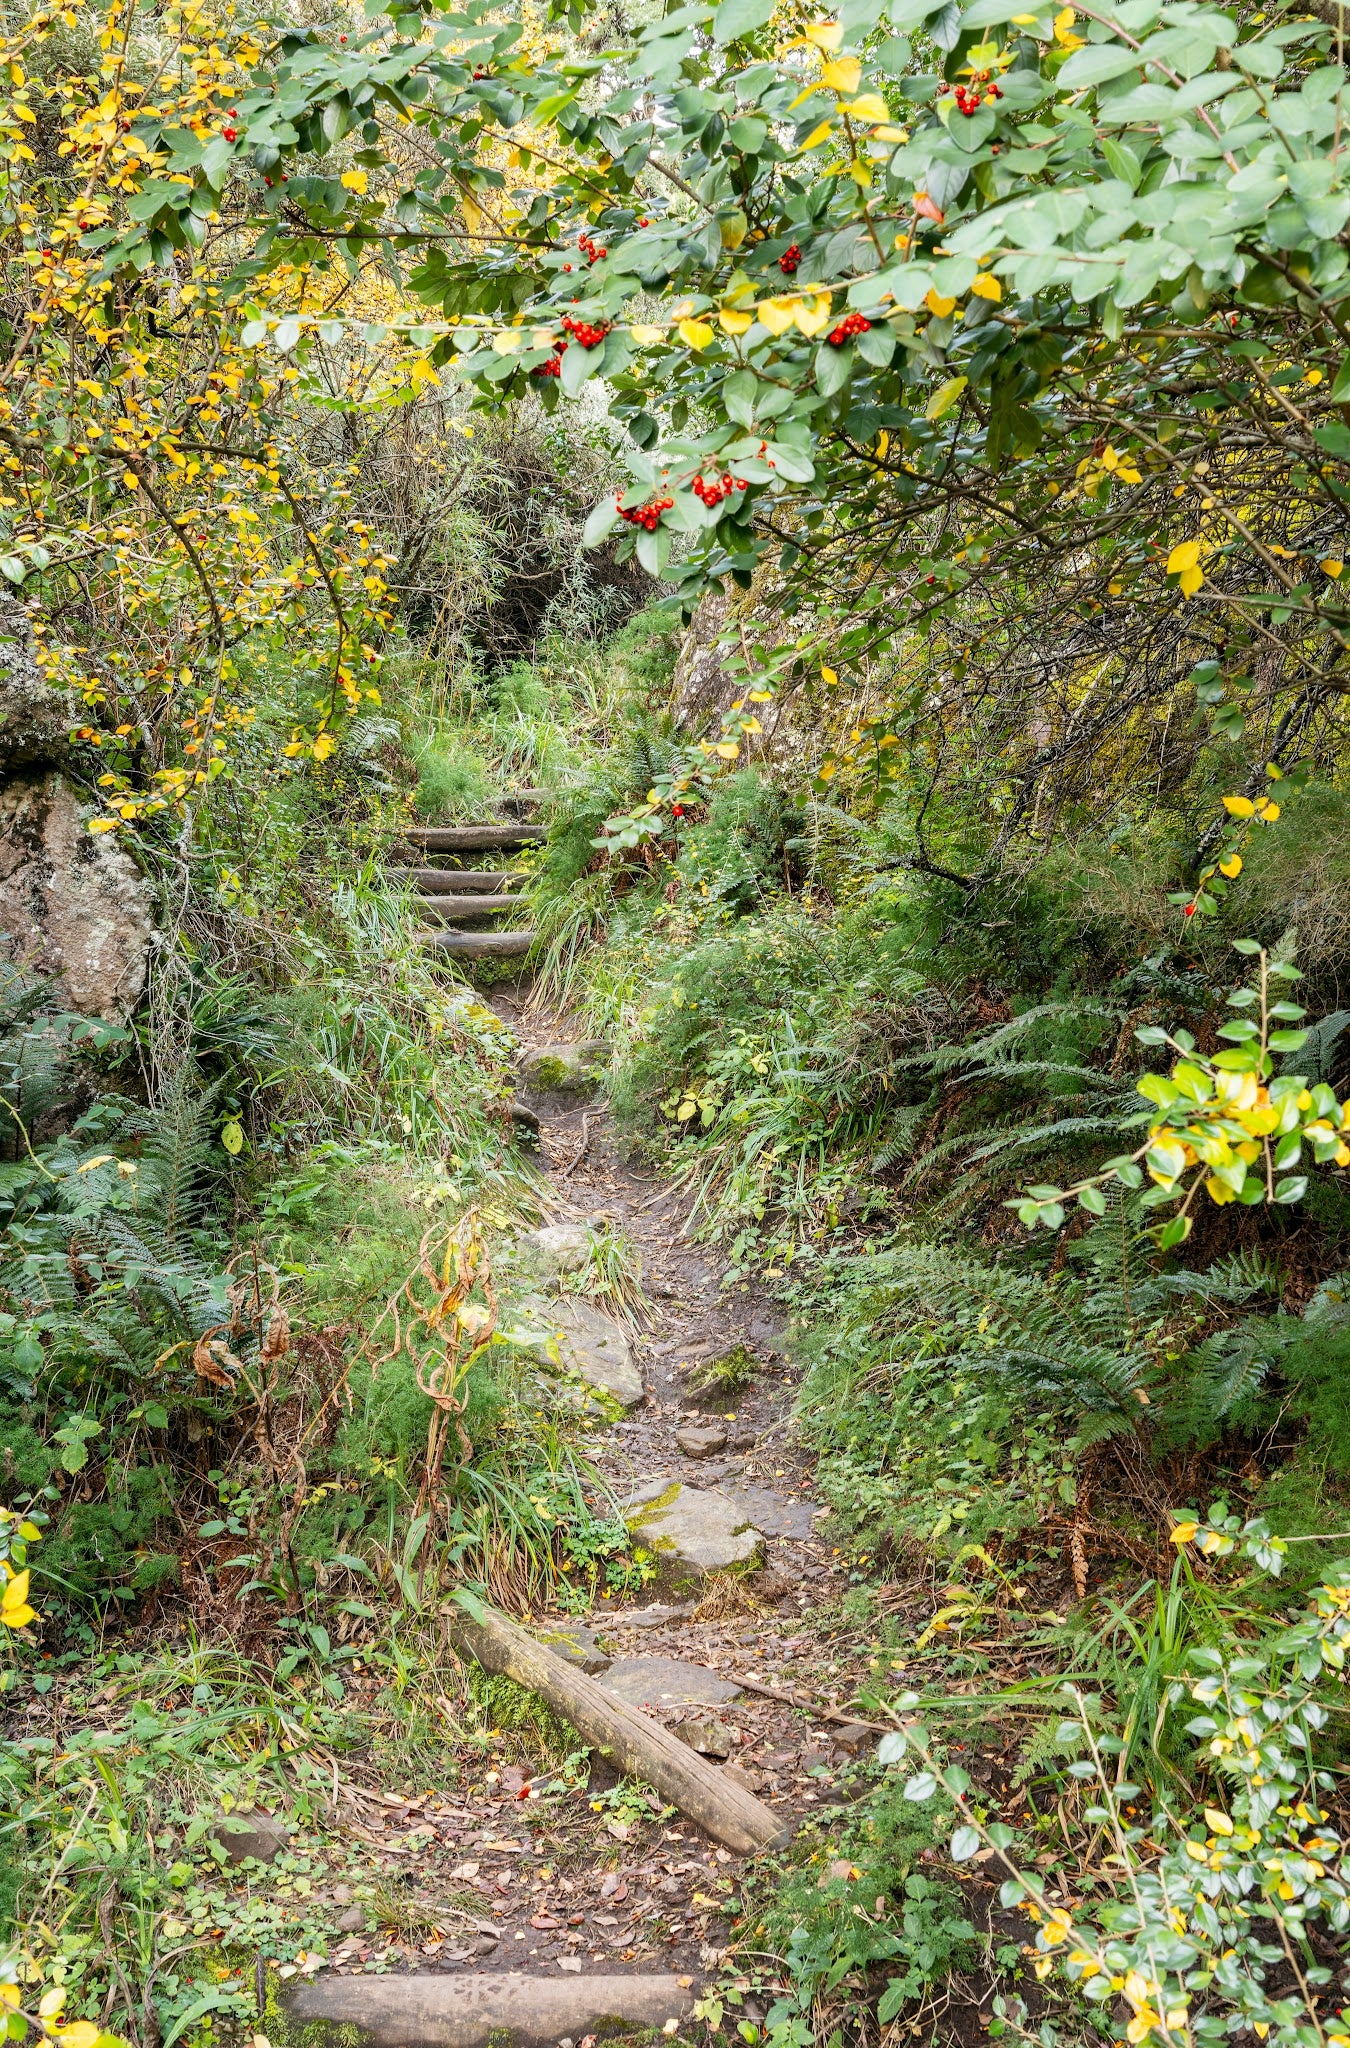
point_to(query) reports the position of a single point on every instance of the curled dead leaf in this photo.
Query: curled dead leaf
(277, 1342)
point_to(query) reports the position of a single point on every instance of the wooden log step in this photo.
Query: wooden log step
(473, 838)
(451, 881)
(459, 2010)
(480, 945)
(605, 1722)
(446, 909)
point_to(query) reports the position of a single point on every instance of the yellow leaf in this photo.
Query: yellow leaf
(869, 106)
(647, 337)
(355, 181)
(818, 135)
(1270, 812)
(1331, 567)
(504, 343)
(1239, 806)
(131, 480)
(828, 675)
(80, 2034)
(1217, 1822)
(51, 2002)
(944, 398)
(777, 314)
(987, 287)
(1232, 867)
(732, 322)
(826, 35)
(726, 750)
(842, 75)
(103, 824)
(30, 1532)
(813, 314)
(1183, 1532)
(889, 134)
(1189, 581)
(232, 1137)
(826, 772)
(938, 304)
(1185, 555)
(324, 745)
(697, 333)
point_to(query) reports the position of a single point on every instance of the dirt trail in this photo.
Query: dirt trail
(593, 1887)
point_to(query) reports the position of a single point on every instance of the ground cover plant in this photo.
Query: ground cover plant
(963, 903)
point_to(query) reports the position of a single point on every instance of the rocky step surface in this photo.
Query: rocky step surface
(453, 897)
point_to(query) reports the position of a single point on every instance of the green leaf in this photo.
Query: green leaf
(921, 1787)
(965, 1843)
(735, 18)
(1292, 1189)
(1093, 1200)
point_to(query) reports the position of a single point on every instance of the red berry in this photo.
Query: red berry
(789, 260)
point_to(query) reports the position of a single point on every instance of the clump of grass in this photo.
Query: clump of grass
(725, 1377)
(451, 782)
(612, 1273)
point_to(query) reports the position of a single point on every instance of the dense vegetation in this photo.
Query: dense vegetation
(883, 478)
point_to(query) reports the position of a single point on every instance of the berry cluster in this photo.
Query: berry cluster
(647, 516)
(231, 133)
(479, 70)
(712, 489)
(590, 333)
(851, 324)
(789, 260)
(589, 250)
(553, 367)
(970, 98)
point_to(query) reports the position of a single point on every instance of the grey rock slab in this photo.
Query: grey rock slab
(556, 1249)
(702, 1443)
(575, 1645)
(650, 1617)
(563, 1069)
(575, 1337)
(251, 1832)
(693, 1533)
(463, 2010)
(771, 1512)
(667, 1682)
(74, 907)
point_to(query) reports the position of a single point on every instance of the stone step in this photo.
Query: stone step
(472, 838)
(480, 945)
(447, 909)
(450, 881)
(456, 2010)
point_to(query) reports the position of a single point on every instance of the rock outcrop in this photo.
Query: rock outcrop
(74, 907)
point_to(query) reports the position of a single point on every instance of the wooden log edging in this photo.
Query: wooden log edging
(726, 1810)
(454, 2011)
(480, 945)
(472, 838)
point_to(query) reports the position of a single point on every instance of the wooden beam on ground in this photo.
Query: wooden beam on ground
(469, 2010)
(473, 838)
(480, 945)
(451, 881)
(633, 1741)
(447, 909)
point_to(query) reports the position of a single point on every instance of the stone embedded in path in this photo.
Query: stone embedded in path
(557, 1248)
(579, 1339)
(575, 1645)
(709, 1736)
(564, 1069)
(702, 1443)
(667, 1682)
(458, 2011)
(694, 1533)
